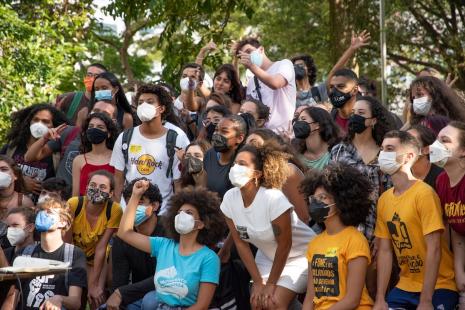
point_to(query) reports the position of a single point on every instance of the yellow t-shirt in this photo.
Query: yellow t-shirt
(87, 237)
(406, 219)
(329, 256)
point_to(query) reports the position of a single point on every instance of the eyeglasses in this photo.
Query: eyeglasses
(90, 74)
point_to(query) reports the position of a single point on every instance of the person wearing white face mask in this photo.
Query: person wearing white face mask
(29, 125)
(257, 212)
(187, 271)
(273, 82)
(448, 151)
(148, 150)
(409, 223)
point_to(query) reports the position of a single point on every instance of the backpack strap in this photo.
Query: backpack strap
(79, 206)
(74, 104)
(28, 250)
(257, 88)
(125, 142)
(171, 137)
(108, 209)
(68, 258)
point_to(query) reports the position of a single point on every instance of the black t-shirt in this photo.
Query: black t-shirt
(217, 175)
(433, 173)
(41, 288)
(10, 255)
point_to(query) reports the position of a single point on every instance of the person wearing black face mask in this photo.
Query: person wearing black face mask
(338, 196)
(97, 139)
(229, 136)
(192, 162)
(213, 115)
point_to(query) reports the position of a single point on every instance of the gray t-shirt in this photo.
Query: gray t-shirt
(68, 145)
(308, 97)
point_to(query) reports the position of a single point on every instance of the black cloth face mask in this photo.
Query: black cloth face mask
(220, 143)
(96, 136)
(357, 123)
(338, 98)
(193, 164)
(318, 210)
(299, 72)
(301, 129)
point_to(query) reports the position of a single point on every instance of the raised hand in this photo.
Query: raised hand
(55, 133)
(360, 40)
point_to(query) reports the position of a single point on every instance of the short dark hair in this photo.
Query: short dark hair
(28, 213)
(426, 135)
(208, 206)
(106, 174)
(263, 110)
(163, 96)
(152, 193)
(329, 131)
(310, 64)
(369, 84)
(98, 65)
(57, 185)
(461, 127)
(405, 139)
(221, 99)
(346, 73)
(221, 109)
(350, 189)
(248, 40)
(194, 66)
(240, 125)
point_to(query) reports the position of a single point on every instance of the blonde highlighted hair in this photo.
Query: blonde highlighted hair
(63, 209)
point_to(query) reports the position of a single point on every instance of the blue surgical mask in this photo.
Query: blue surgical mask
(103, 95)
(256, 58)
(141, 215)
(44, 221)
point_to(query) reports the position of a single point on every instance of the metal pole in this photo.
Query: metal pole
(382, 44)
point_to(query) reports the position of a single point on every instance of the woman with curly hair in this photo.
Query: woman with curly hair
(337, 258)
(97, 139)
(27, 126)
(257, 212)
(368, 124)
(187, 271)
(317, 133)
(433, 103)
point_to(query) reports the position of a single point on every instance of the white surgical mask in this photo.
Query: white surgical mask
(439, 154)
(5, 179)
(388, 163)
(256, 58)
(239, 175)
(15, 235)
(422, 105)
(184, 223)
(38, 129)
(184, 84)
(146, 112)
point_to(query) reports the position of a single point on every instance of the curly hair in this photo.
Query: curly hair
(164, 99)
(19, 183)
(19, 132)
(120, 98)
(208, 206)
(445, 101)
(152, 193)
(272, 161)
(86, 146)
(236, 93)
(383, 120)
(310, 64)
(187, 178)
(349, 188)
(63, 209)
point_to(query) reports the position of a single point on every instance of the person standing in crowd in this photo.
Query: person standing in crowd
(434, 104)
(448, 151)
(73, 102)
(131, 264)
(96, 219)
(317, 133)
(257, 212)
(192, 162)
(97, 140)
(423, 169)
(410, 222)
(29, 125)
(55, 291)
(11, 187)
(187, 271)
(259, 111)
(107, 87)
(338, 258)
(193, 91)
(54, 188)
(273, 82)
(149, 150)
(213, 116)
(66, 141)
(367, 126)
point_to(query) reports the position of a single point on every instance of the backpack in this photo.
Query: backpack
(74, 104)
(171, 137)
(68, 258)
(81, 204)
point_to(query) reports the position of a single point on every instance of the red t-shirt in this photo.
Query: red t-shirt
(452, 201)
(343, 123)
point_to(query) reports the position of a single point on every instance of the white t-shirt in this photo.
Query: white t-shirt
(182, 137)
(148, 158)
(281, 101)
(254, 223)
